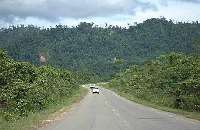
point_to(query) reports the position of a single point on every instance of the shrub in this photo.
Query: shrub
(25, 88)
(171, 80)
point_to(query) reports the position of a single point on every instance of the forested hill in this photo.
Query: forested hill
(102, 51)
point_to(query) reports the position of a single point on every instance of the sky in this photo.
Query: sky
(45, 13)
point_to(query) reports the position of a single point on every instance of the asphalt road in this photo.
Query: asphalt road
(109, 111)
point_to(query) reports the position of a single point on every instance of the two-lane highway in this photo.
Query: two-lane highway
(108, 111)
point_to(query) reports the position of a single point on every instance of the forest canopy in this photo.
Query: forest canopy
(100, 51)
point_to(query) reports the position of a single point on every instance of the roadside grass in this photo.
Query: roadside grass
(36, 120)
(192, 115)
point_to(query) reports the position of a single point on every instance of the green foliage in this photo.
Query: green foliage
(171, 80)
(25, 88)
(86, 77)
(92, 49)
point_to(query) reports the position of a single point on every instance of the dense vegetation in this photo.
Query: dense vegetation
(94, 50)
(96, 53)
(171, 80)
(25, 88)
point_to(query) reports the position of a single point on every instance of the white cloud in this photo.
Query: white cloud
(175, 10)
(116, 12)
(55, 9)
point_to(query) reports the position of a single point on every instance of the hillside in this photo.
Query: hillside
(96, 50)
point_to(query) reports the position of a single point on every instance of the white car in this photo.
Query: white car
(95, 90)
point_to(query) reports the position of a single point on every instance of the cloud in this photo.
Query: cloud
(53, 10)
(71, 12)
(165, 3)
(193, 1)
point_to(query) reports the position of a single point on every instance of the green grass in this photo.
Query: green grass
(192, 115)
(34, 120)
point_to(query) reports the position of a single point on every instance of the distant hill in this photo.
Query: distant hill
(97, 50)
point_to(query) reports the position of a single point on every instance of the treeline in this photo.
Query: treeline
(96, 50)
(25, 88)
(171, 80)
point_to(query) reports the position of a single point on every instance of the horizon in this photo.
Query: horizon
(105, 25)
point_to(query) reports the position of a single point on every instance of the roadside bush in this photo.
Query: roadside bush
(25, 88)
(171, 80)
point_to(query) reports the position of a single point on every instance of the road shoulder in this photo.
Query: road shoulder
(191, 115)
(52, 114)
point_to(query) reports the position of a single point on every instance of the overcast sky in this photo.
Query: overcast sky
(116, 12)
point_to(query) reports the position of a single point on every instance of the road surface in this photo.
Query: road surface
(108, 111)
